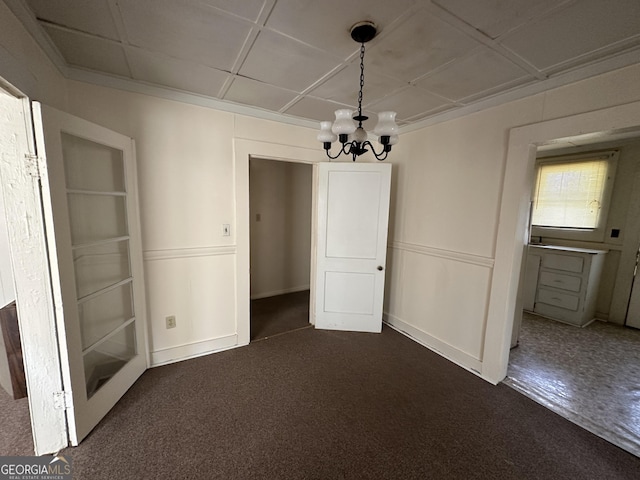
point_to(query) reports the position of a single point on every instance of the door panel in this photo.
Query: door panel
(90, 206)
(352, 217)
(352, 229)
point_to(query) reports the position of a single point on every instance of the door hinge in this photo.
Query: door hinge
(62, 400)
(32, 163)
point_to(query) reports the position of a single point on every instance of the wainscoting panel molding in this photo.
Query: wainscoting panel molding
(447, 254)
(172, 253)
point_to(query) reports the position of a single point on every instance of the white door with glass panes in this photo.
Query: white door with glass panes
(91, 212)
(351, 252)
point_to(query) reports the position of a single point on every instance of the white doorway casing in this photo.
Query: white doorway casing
(244, 150)
(514, 208)
(26, 231)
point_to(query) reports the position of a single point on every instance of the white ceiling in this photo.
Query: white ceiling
(296, 57)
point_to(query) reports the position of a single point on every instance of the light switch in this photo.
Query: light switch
(226, 230)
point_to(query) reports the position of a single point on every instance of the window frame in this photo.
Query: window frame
(570, 233)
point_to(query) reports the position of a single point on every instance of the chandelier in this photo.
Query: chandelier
(354, 139)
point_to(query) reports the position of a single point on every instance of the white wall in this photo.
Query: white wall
(185, 171)
(24, 65)
(444, 226)
(448, 189)
(280, 194)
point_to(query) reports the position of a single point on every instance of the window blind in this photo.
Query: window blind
(570, 194)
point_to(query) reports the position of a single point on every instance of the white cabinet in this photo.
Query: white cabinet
(567, 283)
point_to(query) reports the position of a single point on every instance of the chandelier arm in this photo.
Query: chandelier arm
(340, 152)
(379, 156)
(343, 150)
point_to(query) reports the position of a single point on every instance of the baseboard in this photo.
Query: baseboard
(280, 292)
(452, 354)
(193, 350)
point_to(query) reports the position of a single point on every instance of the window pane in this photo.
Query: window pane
(100, 266)
(103, 314)
(91, 166)
(569, 195)
(96, 217)
(107, 359)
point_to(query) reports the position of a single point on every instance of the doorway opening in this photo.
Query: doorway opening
(582, 363)
(280, 213)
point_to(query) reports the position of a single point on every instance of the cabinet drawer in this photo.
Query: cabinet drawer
(563, 300)
(567, 263)
(558, 280)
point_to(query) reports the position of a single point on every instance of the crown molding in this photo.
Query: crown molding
(134, 86)
(21, 11)
(622, 60)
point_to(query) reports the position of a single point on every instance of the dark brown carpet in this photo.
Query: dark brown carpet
(15, 426)
(335, 405)
(281, 313)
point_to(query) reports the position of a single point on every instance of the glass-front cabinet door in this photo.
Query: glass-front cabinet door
(90, 204)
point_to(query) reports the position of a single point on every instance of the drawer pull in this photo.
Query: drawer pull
(558, 281)
(556, 298)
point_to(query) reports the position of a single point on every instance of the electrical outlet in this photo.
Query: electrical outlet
(226, 230)
(171, 321)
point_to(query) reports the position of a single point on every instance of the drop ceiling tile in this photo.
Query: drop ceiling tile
(326, 24)
(251, 92)
(285, 62)
(410, 102)
(175, 73)
(92, 53)
(91, 17)
(418, 46)
(315, 109)
(344, 86)
(249, 9)
(427, 114)
(483, 71)
(581, 28)
(495, 17)
(187, 30)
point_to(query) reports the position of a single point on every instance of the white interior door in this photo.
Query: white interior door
(351, 250)
(91, 215)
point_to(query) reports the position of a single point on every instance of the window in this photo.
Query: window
(571, 196)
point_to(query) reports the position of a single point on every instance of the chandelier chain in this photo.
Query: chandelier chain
(361, 82)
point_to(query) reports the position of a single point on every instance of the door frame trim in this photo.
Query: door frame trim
(513, 217)
(243, 151)
(34, 296)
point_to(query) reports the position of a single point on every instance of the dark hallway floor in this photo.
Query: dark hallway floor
(279, 314)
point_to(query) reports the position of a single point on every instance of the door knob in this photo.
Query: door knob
(380, 267)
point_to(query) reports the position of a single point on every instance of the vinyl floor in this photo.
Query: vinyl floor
(589, 375)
